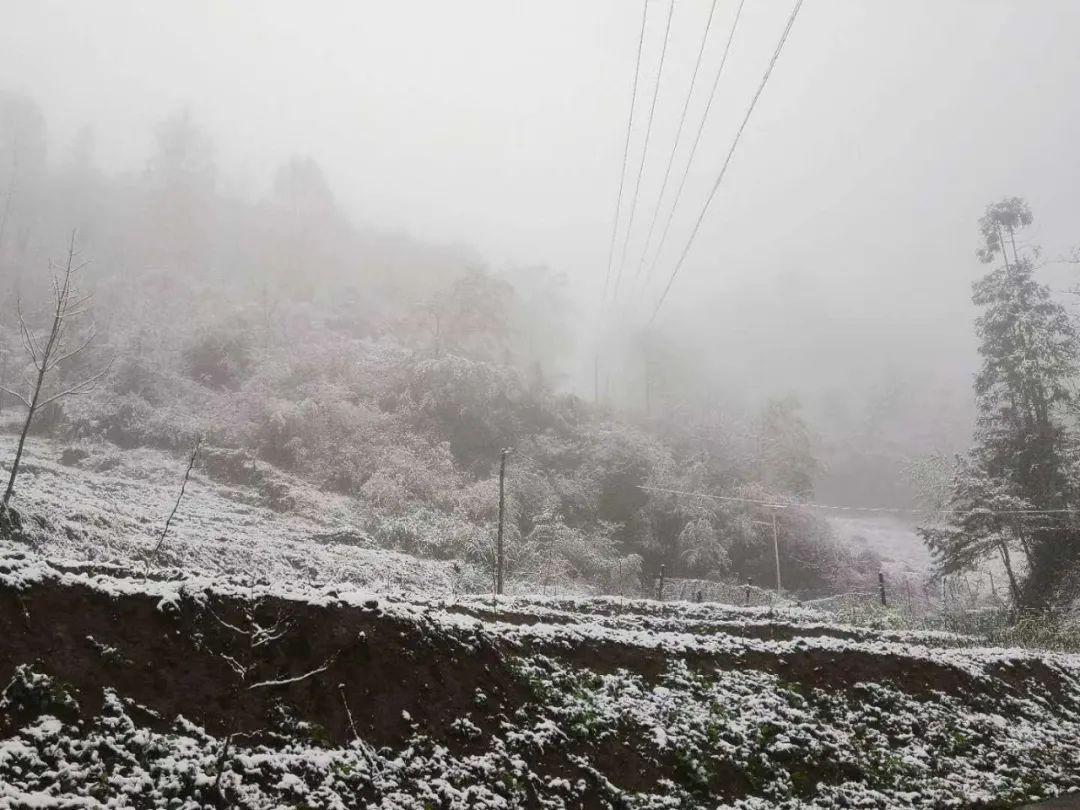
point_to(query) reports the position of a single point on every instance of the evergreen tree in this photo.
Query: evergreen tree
(986, 521)
(786, 449)
(1021, 453)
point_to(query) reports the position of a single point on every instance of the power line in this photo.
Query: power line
(678, 137)
(694, 146)
(626, 147)
(644, 149)
(727, 160)
(883, 509)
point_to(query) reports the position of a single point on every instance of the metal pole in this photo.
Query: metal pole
(648, 385)
(499, 558)
(596, 378)
(776, 551)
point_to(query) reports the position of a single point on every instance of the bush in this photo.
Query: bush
(220, 357)
(129, 421)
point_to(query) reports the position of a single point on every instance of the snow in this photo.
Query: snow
(115, 515)
(721, 702)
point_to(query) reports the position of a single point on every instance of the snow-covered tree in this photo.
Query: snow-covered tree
(1021, 452)
(785, 447)
(985, 522)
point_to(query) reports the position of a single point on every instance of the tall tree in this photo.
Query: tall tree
(1029, 350)
(181, 178)
(22, 167)
(786, 448)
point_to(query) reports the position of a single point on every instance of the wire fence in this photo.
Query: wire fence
(955, 606)
(895, 599)
(727, 593)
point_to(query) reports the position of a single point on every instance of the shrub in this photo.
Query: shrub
(220, 356)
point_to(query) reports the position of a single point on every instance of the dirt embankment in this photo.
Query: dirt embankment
(246, 660)
(230, 664)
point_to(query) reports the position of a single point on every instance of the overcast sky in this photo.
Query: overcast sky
(841, 243)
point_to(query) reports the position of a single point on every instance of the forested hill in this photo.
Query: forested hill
(386, 369)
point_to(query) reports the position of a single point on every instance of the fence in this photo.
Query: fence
(747, 594)
(728, 593)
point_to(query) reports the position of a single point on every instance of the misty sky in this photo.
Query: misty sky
(840, 246)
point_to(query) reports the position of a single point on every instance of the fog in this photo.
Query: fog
(836, 260)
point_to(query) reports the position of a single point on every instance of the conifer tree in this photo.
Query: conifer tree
(1012, 491)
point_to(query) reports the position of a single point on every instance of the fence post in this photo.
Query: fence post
(881, 587)
(698, 600)
(499, 560)
(660, 585)
(748, 583)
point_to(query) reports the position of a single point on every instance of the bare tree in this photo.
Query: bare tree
(48, 354)
(179, 498)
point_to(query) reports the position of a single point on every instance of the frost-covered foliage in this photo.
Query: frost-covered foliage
(790, 744)
(393, 372)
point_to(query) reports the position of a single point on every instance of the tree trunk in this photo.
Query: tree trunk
(1007, 560)
(22, 438)
(1018, 529)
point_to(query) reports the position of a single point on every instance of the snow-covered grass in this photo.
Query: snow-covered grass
(629, 703)
(111, 507)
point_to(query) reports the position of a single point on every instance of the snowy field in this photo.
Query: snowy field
(112, 506)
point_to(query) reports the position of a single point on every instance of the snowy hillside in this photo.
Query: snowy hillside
(110, 506)
(193, 692)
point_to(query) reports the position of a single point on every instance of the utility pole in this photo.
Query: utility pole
(648, 388)
(596, 378)
(499, 557)
(776, 548)
(776, 551)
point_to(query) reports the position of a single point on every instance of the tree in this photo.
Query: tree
(22, 158)
(470, 317)
(1021, 453)
(300, 188)
(542, 317)
(181, 177)
(786, 448)
(985, 522)
(307, 239)
(49, 355)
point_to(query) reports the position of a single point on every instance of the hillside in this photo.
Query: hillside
(104, 505)
(191, 691)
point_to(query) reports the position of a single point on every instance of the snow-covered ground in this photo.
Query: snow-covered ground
(892, 537)
(112, 506)
(565, 703)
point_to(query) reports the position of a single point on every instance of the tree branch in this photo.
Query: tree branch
(67, 355)
(298, 678)
(84, 387)
(180, 497)
(17, 395)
